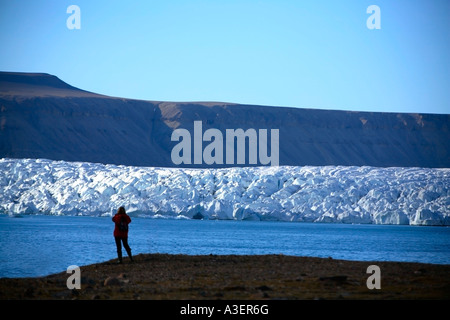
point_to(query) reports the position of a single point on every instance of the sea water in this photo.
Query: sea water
(39, 245)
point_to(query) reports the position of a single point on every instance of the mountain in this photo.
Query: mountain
(43, 117)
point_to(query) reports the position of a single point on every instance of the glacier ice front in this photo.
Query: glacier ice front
(416, 196)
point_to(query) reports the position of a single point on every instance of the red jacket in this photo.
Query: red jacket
(116, 219)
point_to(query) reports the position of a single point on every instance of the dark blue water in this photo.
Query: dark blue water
(40, 245)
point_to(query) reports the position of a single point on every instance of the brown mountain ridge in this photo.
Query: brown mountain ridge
(43, 117)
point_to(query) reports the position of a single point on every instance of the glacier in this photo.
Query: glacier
(329, 194)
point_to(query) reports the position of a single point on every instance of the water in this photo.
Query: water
(40, 245)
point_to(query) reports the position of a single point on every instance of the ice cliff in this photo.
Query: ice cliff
(340, 194)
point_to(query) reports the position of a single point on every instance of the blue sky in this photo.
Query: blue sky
(309, 54)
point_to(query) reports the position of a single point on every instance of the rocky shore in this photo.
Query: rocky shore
(236, 277)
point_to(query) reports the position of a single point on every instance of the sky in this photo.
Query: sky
(308, 54)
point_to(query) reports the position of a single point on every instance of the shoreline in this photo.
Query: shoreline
(236, 277)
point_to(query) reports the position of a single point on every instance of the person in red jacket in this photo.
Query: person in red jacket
(121, 221)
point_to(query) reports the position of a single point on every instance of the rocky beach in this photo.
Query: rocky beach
(236, 277)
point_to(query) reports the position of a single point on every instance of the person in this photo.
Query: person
(121, 233)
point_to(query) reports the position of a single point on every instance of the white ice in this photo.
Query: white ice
(415, 196)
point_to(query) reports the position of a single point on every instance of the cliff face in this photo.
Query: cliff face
(43, 117)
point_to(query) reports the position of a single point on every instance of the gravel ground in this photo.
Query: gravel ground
(236, 277)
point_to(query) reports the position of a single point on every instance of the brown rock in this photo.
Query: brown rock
(111, 281)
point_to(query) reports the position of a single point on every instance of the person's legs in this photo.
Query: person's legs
(127, 247)
(119, 248)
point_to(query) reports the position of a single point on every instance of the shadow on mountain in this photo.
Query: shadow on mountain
(44, 117)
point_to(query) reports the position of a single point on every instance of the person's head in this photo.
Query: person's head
(121, 210)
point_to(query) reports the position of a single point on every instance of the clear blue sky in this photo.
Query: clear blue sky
(308, 54)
